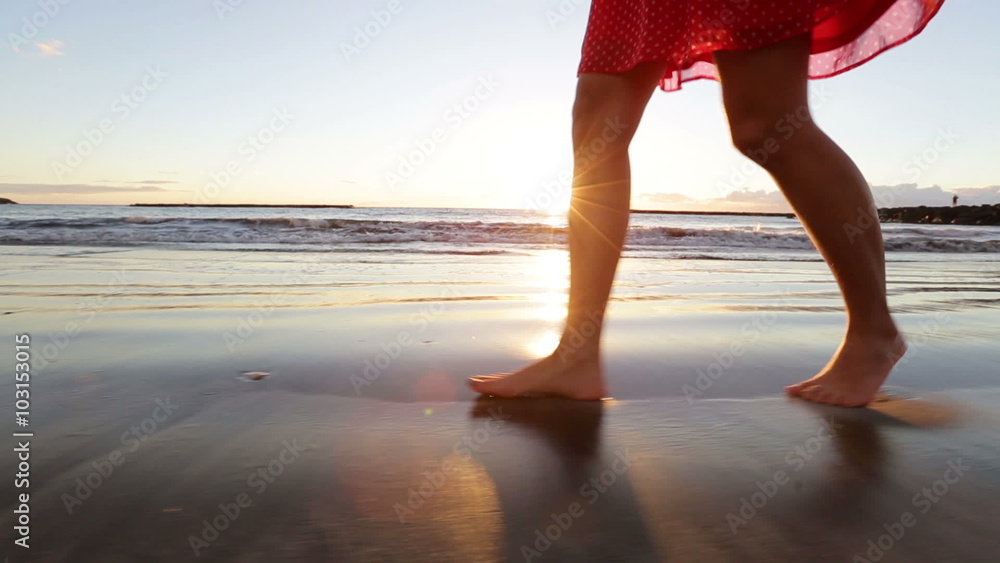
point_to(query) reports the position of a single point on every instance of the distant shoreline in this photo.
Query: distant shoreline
(736, 213)
(315, 206)
(305, 206)
(953, 215)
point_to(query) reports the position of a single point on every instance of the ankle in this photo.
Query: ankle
(882, 330)
(570, 354)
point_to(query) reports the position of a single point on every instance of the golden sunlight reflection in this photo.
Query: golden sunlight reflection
(544, 344)
(434, 386)
(395, 482)
(556, 217)
(551, 270)
(554, 312)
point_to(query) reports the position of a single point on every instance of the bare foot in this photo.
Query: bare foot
(575, 378)
(855, 373)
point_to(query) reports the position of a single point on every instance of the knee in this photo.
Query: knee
(755, 138)
(602, 123)
(769, 140)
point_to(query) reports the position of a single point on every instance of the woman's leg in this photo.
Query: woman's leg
(606, 114)
(765, 94)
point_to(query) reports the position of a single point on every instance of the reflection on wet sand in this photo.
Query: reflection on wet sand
(564, 490)
(550, 480)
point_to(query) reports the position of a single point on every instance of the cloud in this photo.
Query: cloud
(987, 194)
(158, 182)
(753, 197)
(909, 195)
(49, 48)
(900, 195)
(665, 199)
(75, 189)
(740, 200)
(139, 182)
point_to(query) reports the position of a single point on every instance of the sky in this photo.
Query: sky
(433, 104)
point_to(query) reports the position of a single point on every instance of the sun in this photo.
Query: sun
(559, 210)
(561, 203)
(556, 214)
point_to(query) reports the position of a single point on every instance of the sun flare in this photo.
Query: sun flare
(550, 273)
(543, 345)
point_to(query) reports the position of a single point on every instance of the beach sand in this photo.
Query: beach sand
(147, 438)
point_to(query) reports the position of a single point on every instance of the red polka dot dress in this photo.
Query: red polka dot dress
(685, 33)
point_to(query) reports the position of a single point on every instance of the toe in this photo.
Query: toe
(794, 390)
(491, 385)
(481, 384)
(485, 379)
(805, 392)
(837, 399)
(853, 402)
(816, 394)
(826, 395)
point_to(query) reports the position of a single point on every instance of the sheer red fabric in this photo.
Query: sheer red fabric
(685, 33)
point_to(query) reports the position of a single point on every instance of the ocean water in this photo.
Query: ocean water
(316, 294)
(405, 231)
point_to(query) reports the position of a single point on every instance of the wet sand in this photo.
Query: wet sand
(149, 444)
(326, 478)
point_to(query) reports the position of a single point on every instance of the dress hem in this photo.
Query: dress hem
(697, 58)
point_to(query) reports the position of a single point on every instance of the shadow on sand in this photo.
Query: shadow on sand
(564, 490)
